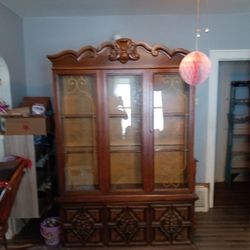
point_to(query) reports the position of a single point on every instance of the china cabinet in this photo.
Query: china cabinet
(124, 129)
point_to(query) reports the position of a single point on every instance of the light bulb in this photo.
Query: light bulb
(198, 32)
(116, 36)
(207, 30)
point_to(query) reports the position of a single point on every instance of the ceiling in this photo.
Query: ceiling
(43, 8)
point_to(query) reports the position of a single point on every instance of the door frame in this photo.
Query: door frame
(5, 92)
(216, 56)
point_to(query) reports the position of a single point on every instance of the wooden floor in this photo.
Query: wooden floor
(225, 227)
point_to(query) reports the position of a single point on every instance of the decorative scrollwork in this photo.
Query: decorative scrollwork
(83, 225)
(123, 51)
(77, 84)
(127, 224)
(171, 222)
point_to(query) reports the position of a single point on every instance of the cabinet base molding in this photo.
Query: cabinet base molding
(127, 224)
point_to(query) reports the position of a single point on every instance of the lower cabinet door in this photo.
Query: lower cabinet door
(171, 224)
(127, 225)
(130, 224)
(83, 225)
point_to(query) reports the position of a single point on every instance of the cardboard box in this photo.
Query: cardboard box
(15, 125)
(22, 111)
(20, 121)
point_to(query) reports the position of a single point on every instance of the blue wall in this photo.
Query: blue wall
(44, 36)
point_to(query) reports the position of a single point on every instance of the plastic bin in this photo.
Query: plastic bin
(50, 230)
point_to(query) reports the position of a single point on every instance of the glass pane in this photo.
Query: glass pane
(170, 109)
(125, 174)
(124, 93)
(170, 93)
(81, 171)
(78, 116)
(172, 131)
(77, 95)
(169, 169)
(79, 132)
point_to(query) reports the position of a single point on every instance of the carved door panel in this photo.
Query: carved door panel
(171, 223)
(127, 225)
(83, 225)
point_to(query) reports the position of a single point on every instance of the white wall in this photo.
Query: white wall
(5, 95)
(12, 51)
(43, 36)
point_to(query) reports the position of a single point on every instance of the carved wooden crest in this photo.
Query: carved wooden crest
(122, 50)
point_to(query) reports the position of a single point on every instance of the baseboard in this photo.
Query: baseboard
(202, 204)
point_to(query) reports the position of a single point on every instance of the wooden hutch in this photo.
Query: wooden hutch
(124, 129)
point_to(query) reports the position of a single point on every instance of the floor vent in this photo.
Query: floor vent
(201, 205)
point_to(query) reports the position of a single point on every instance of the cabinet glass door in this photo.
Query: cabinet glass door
(125, 104)
(78, 114)
(170, 114)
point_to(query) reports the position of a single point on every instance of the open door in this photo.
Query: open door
(216, 57)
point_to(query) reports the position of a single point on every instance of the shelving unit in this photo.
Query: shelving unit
(238, 143)
(45, 172)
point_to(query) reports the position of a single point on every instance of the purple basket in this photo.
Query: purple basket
(50, 230)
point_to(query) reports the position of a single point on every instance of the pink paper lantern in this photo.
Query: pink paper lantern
(195, 68)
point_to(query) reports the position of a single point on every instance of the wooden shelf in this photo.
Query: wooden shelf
(241, 101)
(239, 119)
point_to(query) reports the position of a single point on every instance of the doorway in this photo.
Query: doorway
(217, 57)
